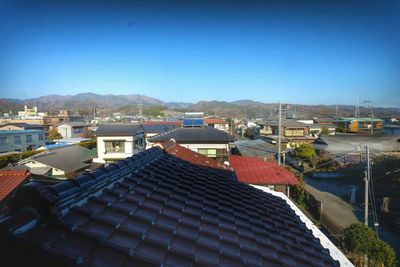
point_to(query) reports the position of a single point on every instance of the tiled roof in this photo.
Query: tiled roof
(253, 170)
(155, 209)
(214, 121)
(119, 130)
(158, 128)
(184, 153)
(205, 134)
(174, 123)
(10, 180)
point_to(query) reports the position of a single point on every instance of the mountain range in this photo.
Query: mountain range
(85, 103)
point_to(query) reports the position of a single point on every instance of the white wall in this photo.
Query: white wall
(65, 131)
(101, 148)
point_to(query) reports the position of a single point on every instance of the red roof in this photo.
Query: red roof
(186, 154)
(175, 123)
(253, 170)
(11, 179)
(214, 121)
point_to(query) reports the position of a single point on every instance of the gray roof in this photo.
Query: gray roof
(318, 125)
(119, 130)
(351, 143)
(256, 148)
(158, 128)
(68, 158)
(285, 123)
(205, 134)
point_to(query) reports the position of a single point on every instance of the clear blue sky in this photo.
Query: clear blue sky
(307, 52)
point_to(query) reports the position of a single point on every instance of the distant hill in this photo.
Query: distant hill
(83, 104)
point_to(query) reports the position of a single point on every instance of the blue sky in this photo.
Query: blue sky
(306, 52)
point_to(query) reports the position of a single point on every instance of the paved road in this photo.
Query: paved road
(344, 214)
(335, 208)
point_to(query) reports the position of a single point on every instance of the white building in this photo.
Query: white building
(72, 129)
(118, 141)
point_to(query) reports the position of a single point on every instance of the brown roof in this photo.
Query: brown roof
(253, 170)
(186, 154)
(10, 180)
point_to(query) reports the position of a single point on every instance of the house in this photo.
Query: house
(72, 129)
(205, 140)
(154, 128)
(155, 209)
(360, 125)
(217, 123)
(252, 170)
(292, 132)
(118, 141)
(61, 162)
(257, 148)
(171, 147)
(19, 126)
(21, 140)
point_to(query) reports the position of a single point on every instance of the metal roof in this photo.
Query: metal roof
(256, 148)
(157, 209)
(13, 132)
(205, 134)
(360, 119)
(67, 158)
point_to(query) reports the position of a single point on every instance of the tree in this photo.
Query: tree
(359, 240)
(54, 135)
(304, 151)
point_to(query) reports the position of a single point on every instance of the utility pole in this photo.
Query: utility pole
(366, 180)
(372, 120)
(279, 133)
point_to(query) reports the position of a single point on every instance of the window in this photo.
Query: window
(3, 140)
(41, 137)
(115, 146)
(209, 152)
(17, 139)
(29, 138)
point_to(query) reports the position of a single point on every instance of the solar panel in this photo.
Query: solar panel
(193, 122)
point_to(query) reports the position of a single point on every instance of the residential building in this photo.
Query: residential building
(61, 162)
(155, 209)
(217, 123)
(252, 170)
(205, 140)
(292, 132)
(21, 140)
(72, 129)
(118, 141)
